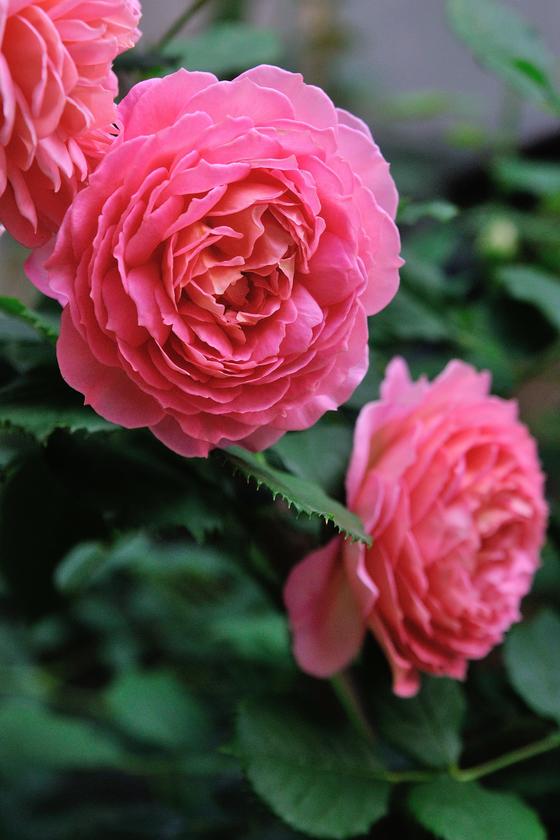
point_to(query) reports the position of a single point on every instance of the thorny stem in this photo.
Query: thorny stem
(179, 22)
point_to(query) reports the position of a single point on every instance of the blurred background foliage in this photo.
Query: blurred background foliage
(146, 684)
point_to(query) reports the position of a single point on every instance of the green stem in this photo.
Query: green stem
(345, 691)
(179, 22)
(551, 742)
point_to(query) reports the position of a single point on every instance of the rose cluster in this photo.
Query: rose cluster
(448, 484)
(217, 247)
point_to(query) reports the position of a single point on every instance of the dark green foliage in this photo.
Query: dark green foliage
(147, 688)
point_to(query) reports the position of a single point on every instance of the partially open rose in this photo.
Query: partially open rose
(218, 269)
(448, 484)
(56, 103)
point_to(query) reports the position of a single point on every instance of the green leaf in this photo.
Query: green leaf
(409, 318)
(40, 402)
(33, 736)
(263, 637)
(502, 42)
(427, 726)
(547, 580)
(466, 811)
(534, 286)
(532, 176)
(90, 563)
(319, 454)
(226, 48)
(322, 782)
(532, 657)
(302, 495)
(420, 105)
(410, 213)
(14, 308)
(154, 706)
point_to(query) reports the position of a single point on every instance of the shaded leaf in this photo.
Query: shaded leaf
(532, 176)
(92, 562)
(407, 317)
(32, 736)
(40, 402)
(321, 782)
(155, 706)
(428, 726)
(319, 454)
(466, 811)
(524, 282)
(532, 656)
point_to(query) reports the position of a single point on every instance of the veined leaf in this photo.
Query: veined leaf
(302, 495)
(321, 782)
(426, 726)
(466, 811)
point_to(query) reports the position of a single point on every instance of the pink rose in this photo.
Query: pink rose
(447, 482)
(56, 94)
(218, 269)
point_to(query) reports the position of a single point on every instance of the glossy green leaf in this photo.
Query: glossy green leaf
(321, 782)
(532, 656)
(466, 811)
(428, 726)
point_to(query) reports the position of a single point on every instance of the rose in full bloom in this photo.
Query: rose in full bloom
(56, 103)
(217, 270)
(448, 484)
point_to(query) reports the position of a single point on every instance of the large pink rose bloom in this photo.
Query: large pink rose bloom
(218, 269)
(56, 103)
(447, 482)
